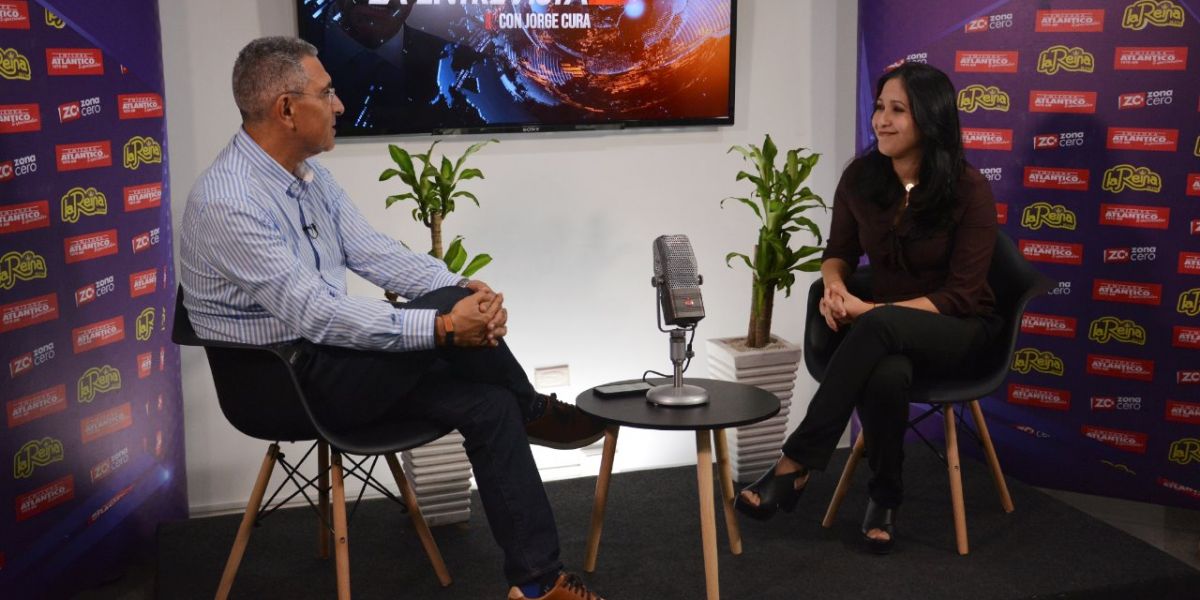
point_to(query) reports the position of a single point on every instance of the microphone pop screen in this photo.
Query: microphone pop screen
(677, 281)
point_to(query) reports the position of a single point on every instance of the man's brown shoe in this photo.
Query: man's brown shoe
(568, 587)
(563, 426)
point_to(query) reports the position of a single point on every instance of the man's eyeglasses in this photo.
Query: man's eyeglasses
(327, 94)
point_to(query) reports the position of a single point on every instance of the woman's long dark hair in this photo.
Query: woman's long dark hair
(934, 110)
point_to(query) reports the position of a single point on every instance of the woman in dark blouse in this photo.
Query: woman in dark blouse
(927, 222)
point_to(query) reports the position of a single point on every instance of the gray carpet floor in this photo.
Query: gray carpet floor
(651, 548)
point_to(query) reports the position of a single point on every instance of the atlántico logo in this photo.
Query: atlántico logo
(1054, 325)
(1159, 13)
(1140, 138)
(1073, 20)
(14, 14)
(1166, 58)
(1059, 57)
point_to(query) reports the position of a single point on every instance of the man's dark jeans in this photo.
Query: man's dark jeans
(481, 392)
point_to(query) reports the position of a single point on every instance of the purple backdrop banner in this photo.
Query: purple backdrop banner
(1083, 114)
(93, 417)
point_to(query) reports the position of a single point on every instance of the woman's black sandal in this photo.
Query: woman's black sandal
(774, 492)
(883, 519)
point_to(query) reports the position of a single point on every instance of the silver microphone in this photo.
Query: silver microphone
(677, 281)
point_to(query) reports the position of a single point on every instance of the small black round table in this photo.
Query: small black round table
(730, 404)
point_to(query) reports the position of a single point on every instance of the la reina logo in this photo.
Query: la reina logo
(80, 202)
(1106, 329)
(144, 324)
(1189, 303)
(1062, 58)
(1055, 216)
(1125, 176)
(975, 97)
(1184, 451)
(1032, 359)
(14, 66)
(1156, 13)
(140, 150)
(98, 380)
(34, 454)
(21, 266)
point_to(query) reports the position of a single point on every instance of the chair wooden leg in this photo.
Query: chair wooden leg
(418, 521)
(708, 520)
(725, 472)
(993, 461)
(341, 548)
(955, 471)
(243, 534)
(323, 498)
(843, 484)
(601, 499)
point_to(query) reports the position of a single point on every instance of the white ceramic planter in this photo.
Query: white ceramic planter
(440, 474)
(754, 448)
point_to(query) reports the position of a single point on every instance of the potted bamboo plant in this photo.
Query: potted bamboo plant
(434, 189)
(440, 470)
(779, 200)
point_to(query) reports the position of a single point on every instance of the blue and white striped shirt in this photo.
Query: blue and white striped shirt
(252, 273)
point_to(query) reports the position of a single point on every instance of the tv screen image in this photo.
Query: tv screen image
(438, 66)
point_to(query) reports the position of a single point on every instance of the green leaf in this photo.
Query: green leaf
(747, 202)
(472, 149)
(399, 198)
(733, 255)
(470, 174)
(480, 261)
(401, 157)
(455, 255)
(465, 194)
(388, 174)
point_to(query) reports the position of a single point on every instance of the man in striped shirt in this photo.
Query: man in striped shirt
(267, 237)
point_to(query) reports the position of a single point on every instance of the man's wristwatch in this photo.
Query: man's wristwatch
(462, 283)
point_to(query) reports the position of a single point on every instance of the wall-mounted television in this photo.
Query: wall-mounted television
(460, 66)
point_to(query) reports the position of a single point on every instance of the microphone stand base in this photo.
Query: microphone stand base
(669, 395)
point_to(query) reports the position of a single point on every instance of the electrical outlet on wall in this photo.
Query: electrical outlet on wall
(552, 376)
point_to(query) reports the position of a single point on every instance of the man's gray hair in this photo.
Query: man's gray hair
(266, 68)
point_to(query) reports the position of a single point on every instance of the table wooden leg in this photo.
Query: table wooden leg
(725, 472)
(606, 464)
(708, 520)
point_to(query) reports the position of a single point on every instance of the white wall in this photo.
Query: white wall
(569, 217)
